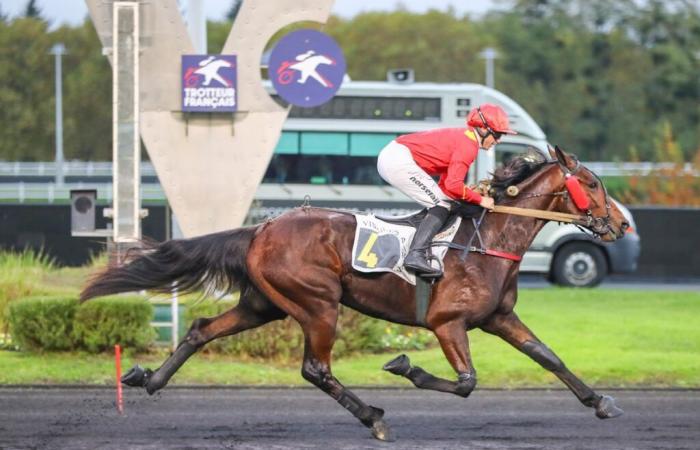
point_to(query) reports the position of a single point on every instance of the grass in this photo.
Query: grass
(607, 337)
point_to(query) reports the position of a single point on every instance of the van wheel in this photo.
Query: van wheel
(579, 264)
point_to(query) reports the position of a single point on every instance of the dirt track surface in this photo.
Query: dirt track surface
(180, 418)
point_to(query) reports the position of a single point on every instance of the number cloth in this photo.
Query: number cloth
(381, 247)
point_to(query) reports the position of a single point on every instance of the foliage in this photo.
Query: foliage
(43, 323)
(677, 184)
(54, 323)
(27, 77)
(597, 75)
(625, 338)
(19, 273)
(101, 323)
(283, 339)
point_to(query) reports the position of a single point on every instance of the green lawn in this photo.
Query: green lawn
(609, 338)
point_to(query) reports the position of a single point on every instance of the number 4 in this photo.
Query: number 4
(366, 255)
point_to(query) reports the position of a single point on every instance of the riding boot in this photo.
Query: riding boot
(417, 258)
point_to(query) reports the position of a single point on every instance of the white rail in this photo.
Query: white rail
(104, 169)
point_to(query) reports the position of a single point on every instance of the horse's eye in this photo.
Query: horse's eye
(593, 185)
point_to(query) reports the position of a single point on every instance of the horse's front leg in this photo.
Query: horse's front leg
(453, 340)
(511, 329)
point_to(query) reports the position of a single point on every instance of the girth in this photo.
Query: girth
(470, 248)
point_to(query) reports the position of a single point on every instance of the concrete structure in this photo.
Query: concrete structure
(209, 165)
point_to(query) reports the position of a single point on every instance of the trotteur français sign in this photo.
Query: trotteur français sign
(209, 83)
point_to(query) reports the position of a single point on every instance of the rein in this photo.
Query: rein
(540, 214)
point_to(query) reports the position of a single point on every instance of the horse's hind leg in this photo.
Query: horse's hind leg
(319, 335)
(510, 328)
(453, 340)
(252, 311)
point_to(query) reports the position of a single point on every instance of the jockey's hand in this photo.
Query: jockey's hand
(486, 202)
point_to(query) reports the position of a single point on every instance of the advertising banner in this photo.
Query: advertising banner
(306, 68)
(209, 83)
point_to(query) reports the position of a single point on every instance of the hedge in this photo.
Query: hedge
(283, 339)
(103, 322)
(61, 323)
(43, 323)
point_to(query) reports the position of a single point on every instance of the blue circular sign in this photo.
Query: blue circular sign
(306, 68)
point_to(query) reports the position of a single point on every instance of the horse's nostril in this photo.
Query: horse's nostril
(624, 226)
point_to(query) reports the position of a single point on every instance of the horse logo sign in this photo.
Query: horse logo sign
(306, 68)
(209, 83)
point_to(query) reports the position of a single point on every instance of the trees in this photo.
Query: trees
(27, 91)
(598, 75)
(675, 184)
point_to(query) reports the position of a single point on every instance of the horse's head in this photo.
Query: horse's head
(587, 195)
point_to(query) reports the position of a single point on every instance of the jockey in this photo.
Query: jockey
(409, 162)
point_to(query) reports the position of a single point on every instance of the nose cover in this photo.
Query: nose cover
(578, 195)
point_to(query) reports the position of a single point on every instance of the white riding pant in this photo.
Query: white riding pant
(397, 167)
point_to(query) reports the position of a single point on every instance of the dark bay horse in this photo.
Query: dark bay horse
(299, 265)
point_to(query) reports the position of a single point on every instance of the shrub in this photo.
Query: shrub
(19, 273)
(281, 339)
(678, 184)
(43, 323)
(284, 339)
(103, 322)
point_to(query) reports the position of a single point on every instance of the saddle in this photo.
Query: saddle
(382, 243)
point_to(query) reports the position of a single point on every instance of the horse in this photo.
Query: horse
(299, 265)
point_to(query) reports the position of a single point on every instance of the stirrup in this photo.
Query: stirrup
(424, 272)
(424, 269)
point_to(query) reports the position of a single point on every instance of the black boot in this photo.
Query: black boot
(417, 258)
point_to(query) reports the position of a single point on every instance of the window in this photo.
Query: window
(373, 108)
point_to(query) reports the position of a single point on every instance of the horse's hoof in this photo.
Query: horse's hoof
(381, 431)
(606, 408)
(398, 366)
(137, 376)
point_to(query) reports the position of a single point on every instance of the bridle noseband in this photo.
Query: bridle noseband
(596, 225)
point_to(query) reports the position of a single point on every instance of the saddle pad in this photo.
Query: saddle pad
(381, 246)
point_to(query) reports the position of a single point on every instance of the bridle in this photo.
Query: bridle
(599, 226)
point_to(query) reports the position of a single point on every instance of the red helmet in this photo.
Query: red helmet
(491, 117)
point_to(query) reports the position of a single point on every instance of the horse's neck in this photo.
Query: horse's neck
(514, 234)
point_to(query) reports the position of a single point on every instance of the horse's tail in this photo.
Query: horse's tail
(215, 261)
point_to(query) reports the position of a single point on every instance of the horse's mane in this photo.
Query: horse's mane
(514, 171)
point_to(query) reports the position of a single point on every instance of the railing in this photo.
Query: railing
(70, 168)
(104, 169)
(49, 191)
(22, 192)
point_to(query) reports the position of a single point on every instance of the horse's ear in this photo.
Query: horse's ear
(561, 156)
(552, 153)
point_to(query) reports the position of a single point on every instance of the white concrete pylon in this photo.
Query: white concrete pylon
(209, 165)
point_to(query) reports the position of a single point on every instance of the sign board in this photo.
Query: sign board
(306, 68)
(209, 83)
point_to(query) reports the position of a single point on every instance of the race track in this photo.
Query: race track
(180, 418)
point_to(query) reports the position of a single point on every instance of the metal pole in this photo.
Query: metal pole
(486, 161)
(489, 55)
(175, 313)
(58, 51)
